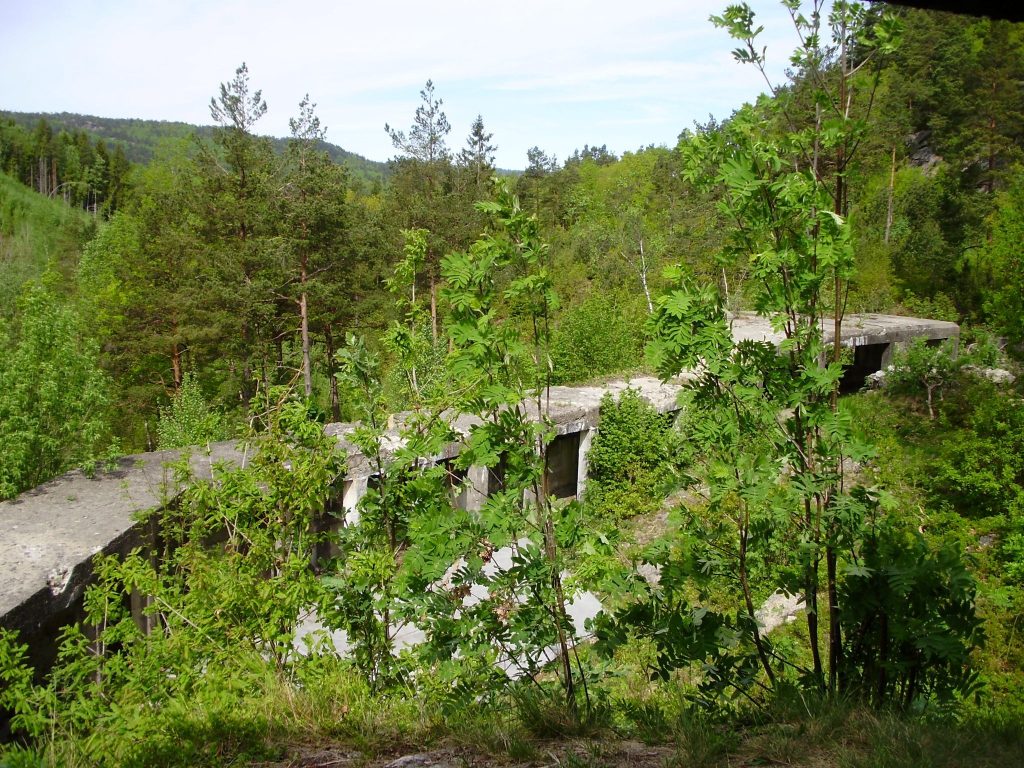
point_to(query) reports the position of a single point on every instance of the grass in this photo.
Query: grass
(36, 234)
(324, 714)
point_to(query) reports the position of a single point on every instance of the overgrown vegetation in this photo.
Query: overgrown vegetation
(238, 291)
(629, 464)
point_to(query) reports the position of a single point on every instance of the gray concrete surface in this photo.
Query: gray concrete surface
(49, 535)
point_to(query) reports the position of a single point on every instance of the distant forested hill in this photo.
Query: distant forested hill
(140, 138)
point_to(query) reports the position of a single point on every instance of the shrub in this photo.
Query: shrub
(599, 336)
(629, 457)
(188, 420)
(909, 611)
(923, 367)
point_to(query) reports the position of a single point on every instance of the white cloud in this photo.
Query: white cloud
(364, 63)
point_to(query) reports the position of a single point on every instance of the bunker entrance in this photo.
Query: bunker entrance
(867, 359)
(562, 470)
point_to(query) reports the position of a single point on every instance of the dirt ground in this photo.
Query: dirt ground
(574, 754)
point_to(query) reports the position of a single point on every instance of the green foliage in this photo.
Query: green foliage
(223, 276)
(976, 469)
(36, 235)
(1001, 261)
(939, 307)
(250, 590)
(958, 478)
(600, 336)
(923, 259)
(628, 462)
(105, 275)
(502, 378)
(413, 554)
(910, 613)
(53, 396)
(923, 367)
(223, 600)
(366, 591)
(773, 441)
(142, 140)
(419, 358)
(64, 164)
(188, 420)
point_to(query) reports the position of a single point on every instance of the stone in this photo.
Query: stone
(412, 761)
(999, 376)
(777, 610)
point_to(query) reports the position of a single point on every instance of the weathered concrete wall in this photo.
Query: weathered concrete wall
(50, 534)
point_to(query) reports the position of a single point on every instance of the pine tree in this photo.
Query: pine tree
(478, 155)
(314, 217)
(420, 189)
(426, 138)
(235, 177)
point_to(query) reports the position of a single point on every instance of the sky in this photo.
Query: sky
(556, 74)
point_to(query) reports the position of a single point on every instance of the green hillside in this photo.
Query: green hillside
(36, 233)
(140, 138)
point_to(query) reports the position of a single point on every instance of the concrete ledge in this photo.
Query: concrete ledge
(50, 534)
(857, 330)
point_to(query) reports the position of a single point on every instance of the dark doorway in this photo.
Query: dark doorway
(867, 359)
(562, 470)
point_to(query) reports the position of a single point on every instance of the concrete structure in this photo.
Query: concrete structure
(873, 338)
(50, 534)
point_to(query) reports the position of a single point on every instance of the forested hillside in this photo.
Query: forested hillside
(141, 140)
(227, 286)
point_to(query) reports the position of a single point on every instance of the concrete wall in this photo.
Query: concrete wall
(50, 534)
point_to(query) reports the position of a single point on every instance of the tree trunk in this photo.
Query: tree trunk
(892, 190)
(335, 401)
(176, 365)
(561, 617)
(433, 305)
(811, 601)
(882, 682)
(307, 375)
(748, 600)
(643, 278)
(835, 637)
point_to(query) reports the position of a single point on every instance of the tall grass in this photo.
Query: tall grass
(36, 234)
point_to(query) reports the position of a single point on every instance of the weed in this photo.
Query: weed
(545, 714)
(700, 742)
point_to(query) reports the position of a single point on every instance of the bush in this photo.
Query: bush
(938, 307)
(54, 398)
(628, 460)
(910, 613)
(601, 335)
(188, 420)
(923, 368)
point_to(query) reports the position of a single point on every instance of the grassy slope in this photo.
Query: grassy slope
(140, 138)
(36, 234)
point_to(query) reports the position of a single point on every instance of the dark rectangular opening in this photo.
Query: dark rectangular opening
(496, 477)
(562, 471)
(867, 359)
